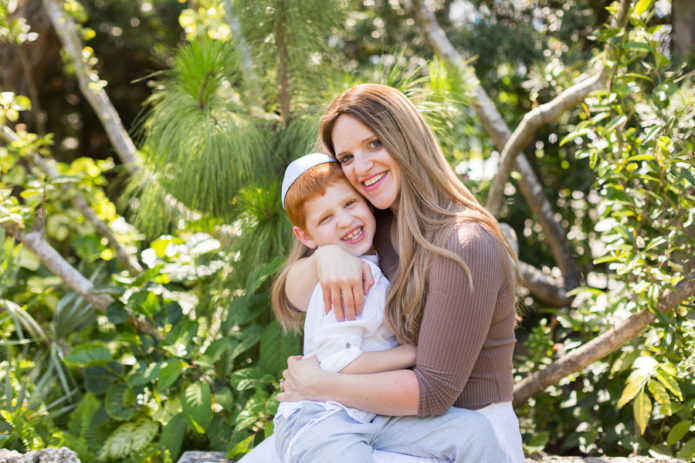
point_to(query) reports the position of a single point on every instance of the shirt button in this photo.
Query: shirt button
(347, 346)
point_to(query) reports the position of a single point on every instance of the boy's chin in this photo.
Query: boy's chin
(356, 251)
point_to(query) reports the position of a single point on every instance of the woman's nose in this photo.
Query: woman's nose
(363, 164)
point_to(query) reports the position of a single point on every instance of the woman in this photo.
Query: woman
(452, 274)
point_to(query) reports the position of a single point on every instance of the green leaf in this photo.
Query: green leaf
(116, 313)
(108, 289)
(225, 397)
(170, 371)
(275, 347)
(573, 135)
(242, 447)
(642, 157)
(147, 275)
(643, 410)
(253, 335)
(660, 395)
(141, 377)
(537, 442)
(687, 452)
(669, 382)
(129, 439)
(197, 405)
(144, 302)
(688, 175)
(98, 378)
(120, 402)
(173, 434)
(635, 384)
(642, 6)
(678, 431)
(89, 354)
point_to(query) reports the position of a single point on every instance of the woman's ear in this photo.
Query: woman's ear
(304, 238)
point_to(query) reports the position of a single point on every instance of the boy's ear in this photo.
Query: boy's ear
(304, 238)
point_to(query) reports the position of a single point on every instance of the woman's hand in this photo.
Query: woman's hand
(344, 279)
(300, 378)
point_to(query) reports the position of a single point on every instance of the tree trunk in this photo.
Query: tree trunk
(683, 19)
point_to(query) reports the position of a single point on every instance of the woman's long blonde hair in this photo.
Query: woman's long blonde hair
(432, 201)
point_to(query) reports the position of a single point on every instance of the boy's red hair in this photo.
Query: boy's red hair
(309, 185)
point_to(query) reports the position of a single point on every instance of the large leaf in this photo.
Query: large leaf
(98, 378)
(643, 410)
(687, 452)
(197, 405)
(252, 334)
(93, 353)
(678, 431)
(120, 402)
(667, 379)
(173, 434)
(661, 396)
(276, 346)
(129, 439)
(170, 371)
(635, 383)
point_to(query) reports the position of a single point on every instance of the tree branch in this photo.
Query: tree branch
(80, 203)
(542, 115)
(73, 279)
(283, 62)
(35, 243)
(91, 86)
(543, 286)
(602, 345)
(495, 126)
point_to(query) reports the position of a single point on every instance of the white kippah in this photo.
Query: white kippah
(299, 166)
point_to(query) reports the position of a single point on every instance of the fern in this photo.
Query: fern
(129, 438)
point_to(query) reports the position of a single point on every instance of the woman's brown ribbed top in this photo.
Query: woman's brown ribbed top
(466, 339)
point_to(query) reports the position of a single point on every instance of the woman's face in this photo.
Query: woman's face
(366, 163)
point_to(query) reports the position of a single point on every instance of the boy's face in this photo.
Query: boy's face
(341, 217)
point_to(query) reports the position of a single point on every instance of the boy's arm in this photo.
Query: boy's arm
(396, 358)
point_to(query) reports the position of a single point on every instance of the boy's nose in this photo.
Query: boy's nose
(343, 220)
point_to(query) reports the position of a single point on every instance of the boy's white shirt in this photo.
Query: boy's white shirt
(336, 344)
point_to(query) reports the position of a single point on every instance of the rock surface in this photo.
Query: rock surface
(218, 457)
(49, 455)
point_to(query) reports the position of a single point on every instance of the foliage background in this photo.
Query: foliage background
(219, 96)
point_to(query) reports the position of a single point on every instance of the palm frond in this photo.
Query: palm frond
(201, 145)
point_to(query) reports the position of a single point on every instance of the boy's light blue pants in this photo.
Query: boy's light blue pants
(314, 434)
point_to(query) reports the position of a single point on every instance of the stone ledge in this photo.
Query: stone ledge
(49, 455)
(219, 457)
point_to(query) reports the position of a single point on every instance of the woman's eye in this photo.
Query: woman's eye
(345, 159)
(376, 143)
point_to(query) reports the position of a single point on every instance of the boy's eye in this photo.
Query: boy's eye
(324, 219)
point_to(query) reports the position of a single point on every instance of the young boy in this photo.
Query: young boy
(326, 210)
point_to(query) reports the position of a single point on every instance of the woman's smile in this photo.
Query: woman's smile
(366, 163)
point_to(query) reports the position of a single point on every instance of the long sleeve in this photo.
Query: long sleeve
(335, 343)
(466, 337)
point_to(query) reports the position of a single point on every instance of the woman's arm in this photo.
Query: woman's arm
(345, 280)
(394, 393)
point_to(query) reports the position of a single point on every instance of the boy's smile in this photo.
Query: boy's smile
(340, 216)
